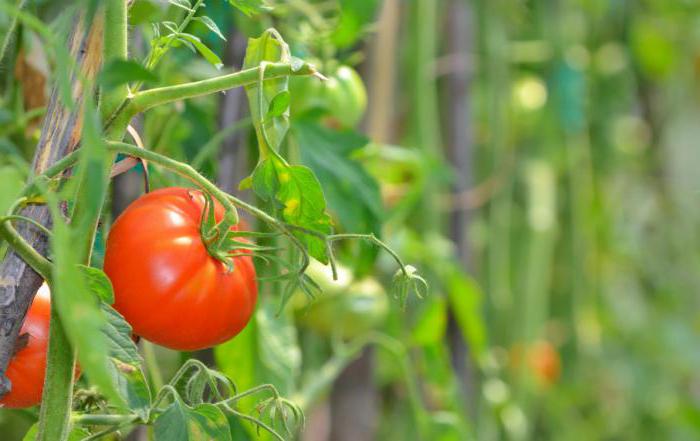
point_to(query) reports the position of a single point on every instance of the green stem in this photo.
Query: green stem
(103, 420)
(17, 217)
(375, 240)
(115, 48)
(178, 167)
(58, 384)
(259, 388)
(147, 99)
(24, 249)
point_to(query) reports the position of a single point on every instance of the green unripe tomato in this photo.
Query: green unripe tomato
(323, 276)
(347, 96)
(342, 98)
(344, 309)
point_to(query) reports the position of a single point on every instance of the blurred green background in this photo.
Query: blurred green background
(537, 160)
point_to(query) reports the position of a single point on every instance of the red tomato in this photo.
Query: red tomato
(166, 284)
(27, 367)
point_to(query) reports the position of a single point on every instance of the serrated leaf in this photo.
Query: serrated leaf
(126, 363)
(118, 333)
(98, 283)
(132, 386)
(250, 7)
(295, 190)
(182, 423)
(202, 48)
(209, 23)
(118, 72)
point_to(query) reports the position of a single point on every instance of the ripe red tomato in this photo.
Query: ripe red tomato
(28, 366)
(166, 284)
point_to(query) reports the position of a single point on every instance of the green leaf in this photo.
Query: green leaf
(98, 283)
(183, 4)
(132, 387)
(202, 48)
(250, 7)
(118, 333)
(118, 72)
(279, 104)
(126, 363)
(270, 127)
(305, 206)
(182, 423)
(297, 193)
(208, 22)
(264, 181)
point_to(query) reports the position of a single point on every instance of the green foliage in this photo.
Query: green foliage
(180, 422)
(352, 193)
(250, 7)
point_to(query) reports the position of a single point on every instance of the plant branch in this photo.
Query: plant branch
(178, 167)
(17, 217)
(147, 99)
(35, 260)
(103, 420)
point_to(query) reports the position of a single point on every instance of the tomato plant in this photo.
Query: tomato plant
(174, 267)
(166, 283)
(28, 365)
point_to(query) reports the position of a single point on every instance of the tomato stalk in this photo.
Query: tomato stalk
(38, 262)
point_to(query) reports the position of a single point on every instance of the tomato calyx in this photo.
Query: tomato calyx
(221, 241)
